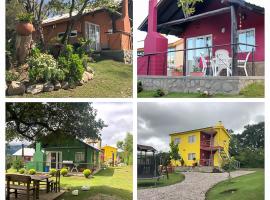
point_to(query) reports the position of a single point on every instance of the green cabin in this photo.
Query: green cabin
(64, 151)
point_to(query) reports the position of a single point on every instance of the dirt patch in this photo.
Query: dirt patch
(104, 197)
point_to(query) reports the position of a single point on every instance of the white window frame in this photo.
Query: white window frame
(191, 156)
(193, 140)
(73, 31)
(194, 43)
(244, 31)
(179, 141)
(81, 155)
(98, 45)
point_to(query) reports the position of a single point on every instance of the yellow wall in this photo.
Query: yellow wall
(108, 150)
(185, 147)
(222, 139)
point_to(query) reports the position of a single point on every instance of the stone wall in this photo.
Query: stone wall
(125, 56)
(229, 85)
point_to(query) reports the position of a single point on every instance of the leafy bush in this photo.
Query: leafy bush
(25, 17)
(71, 64)
(32, 171)
(43, 68)
(139, 87)
(22, 171)
(159, 93)
(17, 164)
(64, 171)
(11, 76)
(87, 173)
(52, 172)
(35, 52)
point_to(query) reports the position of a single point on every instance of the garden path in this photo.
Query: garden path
(194, 187)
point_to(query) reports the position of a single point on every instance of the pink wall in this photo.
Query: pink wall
(213, 25)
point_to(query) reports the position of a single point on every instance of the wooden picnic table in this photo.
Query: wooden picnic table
(37, 179)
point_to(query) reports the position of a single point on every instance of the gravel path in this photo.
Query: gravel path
(193, 187)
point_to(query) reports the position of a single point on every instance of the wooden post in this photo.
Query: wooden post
(234, 40)
(184, 59)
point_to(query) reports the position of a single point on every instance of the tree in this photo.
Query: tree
(32, 121)
(127, 147)
(174, 152)
(188, 6)
(248, 147)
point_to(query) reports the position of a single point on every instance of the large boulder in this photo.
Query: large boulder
(35, 89)
(16, 88)
(48, 87)
(65, 85)
(85, 77)
(89, 75)
(57, 86)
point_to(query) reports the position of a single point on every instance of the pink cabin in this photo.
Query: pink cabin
(222, 38)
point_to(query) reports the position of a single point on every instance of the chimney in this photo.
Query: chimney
(152, 17)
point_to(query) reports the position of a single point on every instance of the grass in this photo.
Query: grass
(115, 183)
(112, 79)
(255, 90)
(246, 187)
(173, 178)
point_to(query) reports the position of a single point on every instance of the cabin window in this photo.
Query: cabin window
(79, 156)
(171, 58)
(191, 156)
(191, 139)
(199, 46)
(72, 34)
(246, 37)
(177, 140)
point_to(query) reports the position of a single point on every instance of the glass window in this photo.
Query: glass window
(246, 37)
(79, 156)
(171, 58)
(191, 139)
(72, 34)
(191, 156)
(177, 140)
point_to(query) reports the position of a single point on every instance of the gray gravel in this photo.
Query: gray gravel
(194, 186)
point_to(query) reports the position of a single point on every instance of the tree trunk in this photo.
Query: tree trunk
(23, 45)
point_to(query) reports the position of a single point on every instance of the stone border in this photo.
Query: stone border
(22, 87)
(188, 84)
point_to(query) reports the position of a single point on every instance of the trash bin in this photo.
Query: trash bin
(47, 168)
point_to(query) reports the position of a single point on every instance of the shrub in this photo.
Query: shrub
(159, 93)
(35, 52)
(87, 173)
(64, 171)
(11, 76)
(22, 171)
(139, 87)
(71, 64)
(44, 68)
(25, 17)
(32, 171)
(52, 172)
(17, 164)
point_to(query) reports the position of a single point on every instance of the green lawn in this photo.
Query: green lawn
(252, 91)
(115, 183)
(173, 178)
(112, 79)
(248, 187)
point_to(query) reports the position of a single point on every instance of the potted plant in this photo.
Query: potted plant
(196, 71)
(24, 26)
(177, 71)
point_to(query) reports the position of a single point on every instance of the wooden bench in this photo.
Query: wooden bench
(21, 184)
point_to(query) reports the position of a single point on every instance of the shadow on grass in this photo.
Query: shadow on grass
(105, 172)
(114, 193)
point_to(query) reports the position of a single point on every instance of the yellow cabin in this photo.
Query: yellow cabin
(109, 154)
(206, 146)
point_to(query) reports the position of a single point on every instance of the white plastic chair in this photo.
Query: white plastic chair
(243, 63)
(223, 61)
